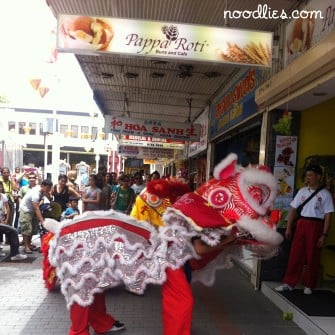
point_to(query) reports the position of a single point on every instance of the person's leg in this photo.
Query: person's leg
(177, 303)
(26, 229)
(13, 240)
(297, 256)
(17, 213)
(11, 213)
(79, 320)
(100, 321)
(11, 237)
(313, 253)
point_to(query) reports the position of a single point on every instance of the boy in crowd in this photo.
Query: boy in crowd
(72, 210)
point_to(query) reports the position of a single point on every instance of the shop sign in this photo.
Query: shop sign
(144, 153)
(151, 142)
(304, 33)
(92, 35)
(149, 161)
(235, 104)
(197, 147)
(152, 128)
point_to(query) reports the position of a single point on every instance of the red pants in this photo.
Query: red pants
(177, 304)
(304, 250)
(94, 315)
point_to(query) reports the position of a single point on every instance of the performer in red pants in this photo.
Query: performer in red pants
(177, 304)
(95, 316)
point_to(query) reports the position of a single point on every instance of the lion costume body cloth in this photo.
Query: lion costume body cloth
(106, 248)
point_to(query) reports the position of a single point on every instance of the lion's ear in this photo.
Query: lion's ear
(226, 168)
(52, 225)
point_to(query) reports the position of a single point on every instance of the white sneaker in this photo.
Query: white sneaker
(283, 288)
(18, 257)
(307, 290)
(2, 254)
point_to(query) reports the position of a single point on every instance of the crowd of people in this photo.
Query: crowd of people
(25, 198)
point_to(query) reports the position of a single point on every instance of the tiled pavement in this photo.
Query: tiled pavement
(230, 307)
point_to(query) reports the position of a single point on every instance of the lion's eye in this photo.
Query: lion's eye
(153, 200)
(260, 193)
(219, 197)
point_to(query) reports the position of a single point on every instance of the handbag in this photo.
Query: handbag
(301, 206)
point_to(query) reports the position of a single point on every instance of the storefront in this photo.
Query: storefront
(297, 104)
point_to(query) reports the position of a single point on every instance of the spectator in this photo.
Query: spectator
(124, 197)
(13, 240)
(4, 208)
(30, 213)
(72, 176)
(310, 233)
(32, 181)
(61, 192)
(155, 175)
(21, 179)
(112, 181)
(91, 195)
(72, 210)
(10, 188)
(106, 192)
(138, 185)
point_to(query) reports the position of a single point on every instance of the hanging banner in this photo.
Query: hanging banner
(152, 128)
(151, 142)
(145, 153)
(89, 34)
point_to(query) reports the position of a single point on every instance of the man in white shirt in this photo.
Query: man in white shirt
(138, 186)
(310, 233)
(30, 213)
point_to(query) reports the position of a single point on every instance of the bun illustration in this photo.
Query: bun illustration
(301, 35)
(85, 30)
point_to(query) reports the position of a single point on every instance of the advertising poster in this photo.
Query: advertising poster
(304, 33)
(89, 34)
(284, 170)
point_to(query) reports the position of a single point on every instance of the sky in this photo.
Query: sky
(26, 41)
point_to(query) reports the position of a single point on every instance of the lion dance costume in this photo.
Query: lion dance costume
(100, 249)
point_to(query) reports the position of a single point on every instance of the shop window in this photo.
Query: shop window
(11, 126)
(32, 130)
(94, 133)
(85, 132)
(74, 131)
(63, 129)
(22, 125)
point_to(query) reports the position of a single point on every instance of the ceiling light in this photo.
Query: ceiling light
(212, 74)
(157, 75)
(185, 71)
(184, 75)
(159, 62)
(320, 94)
(130, 75)
(106, 75)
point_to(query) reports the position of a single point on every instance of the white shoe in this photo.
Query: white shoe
(18, 257)
(2, 254)
(283, 288)
(307, 290)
